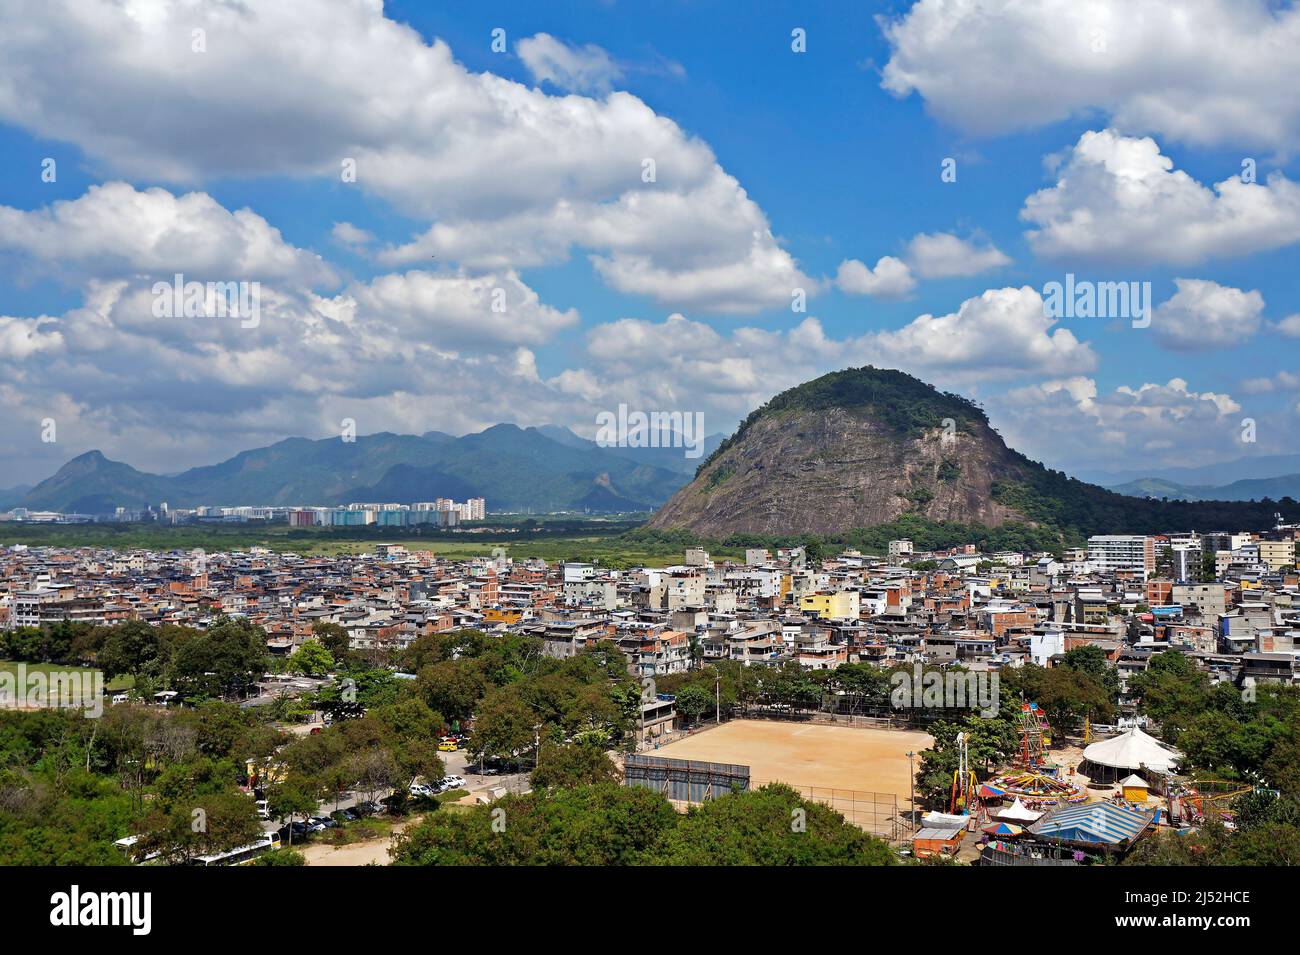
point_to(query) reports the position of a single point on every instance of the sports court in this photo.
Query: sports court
(856, 762)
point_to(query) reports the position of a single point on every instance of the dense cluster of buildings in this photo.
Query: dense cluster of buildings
(1234, 607)
(442, 512)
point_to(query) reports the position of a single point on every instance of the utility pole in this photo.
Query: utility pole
(717, 699)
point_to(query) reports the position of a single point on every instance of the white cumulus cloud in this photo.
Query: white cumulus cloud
(1207, 72)
(512, 175)
(1118, 200)
(891, 278)
(1204, 315)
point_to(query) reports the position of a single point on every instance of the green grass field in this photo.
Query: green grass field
(116, 685)
(551, 539)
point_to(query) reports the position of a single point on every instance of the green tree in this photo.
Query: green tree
(574, 764)
(188, 824)
(295, 795)
(131, 648)
(693, 701)
(279, 857)
(224, 660)
(771, 826)
(1066, 696)
(311, 659)
(1091, 659)
(452, 687)
(334, 639)
(588, 825)
(503, 727)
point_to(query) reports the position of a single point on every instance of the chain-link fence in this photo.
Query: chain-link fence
(876, 813)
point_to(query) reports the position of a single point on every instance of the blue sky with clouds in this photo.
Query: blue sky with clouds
(1107, 142)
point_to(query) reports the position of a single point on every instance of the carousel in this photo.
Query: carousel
(1033, 787)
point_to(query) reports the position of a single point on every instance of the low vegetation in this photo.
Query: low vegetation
(606, 824)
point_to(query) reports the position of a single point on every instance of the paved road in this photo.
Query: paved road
(478, 782)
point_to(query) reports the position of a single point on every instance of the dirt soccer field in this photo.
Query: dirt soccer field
(809, 755)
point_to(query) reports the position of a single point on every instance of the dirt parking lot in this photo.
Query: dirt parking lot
(808, 754)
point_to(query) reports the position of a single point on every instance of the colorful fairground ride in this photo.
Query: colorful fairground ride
(965, 787)
(1035, 735)
(1199, 800)
(1034, 780)
(1036, 788)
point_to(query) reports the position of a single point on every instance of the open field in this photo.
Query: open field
(812, 757)
(554, 539)
(117, 684)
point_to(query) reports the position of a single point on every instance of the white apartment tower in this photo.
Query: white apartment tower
(1122, 553)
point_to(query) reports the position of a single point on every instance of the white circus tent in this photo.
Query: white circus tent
(1131, 751)
(1018, 812)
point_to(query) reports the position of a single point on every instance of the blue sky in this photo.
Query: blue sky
(519, 171)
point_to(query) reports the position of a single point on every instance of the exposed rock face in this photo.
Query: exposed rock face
(806, 464)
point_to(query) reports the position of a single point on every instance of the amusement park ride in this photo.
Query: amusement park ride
(1035, 735)
(1040, 785)
(1034, 780)
(1202, 799)
(965, 788)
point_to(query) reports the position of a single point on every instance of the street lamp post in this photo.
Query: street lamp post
(911, 773)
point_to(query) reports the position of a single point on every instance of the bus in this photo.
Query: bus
(244, 855)
(127, 846)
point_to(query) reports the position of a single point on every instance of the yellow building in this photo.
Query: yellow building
(1135, 789)
(265, 771)
(507, 615)
(1279, 555)
(841, 605)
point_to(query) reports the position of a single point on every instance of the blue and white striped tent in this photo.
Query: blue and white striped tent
(1095, 823)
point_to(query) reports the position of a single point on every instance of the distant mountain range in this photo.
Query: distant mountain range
(865, 447)
(9, 496)
(1213, 475)
(514, 469)
(1247, 489)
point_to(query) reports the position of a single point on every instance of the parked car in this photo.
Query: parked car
(300, 830)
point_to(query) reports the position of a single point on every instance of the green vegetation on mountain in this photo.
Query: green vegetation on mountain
(868, 448)
(1055, 499)
(906, 405)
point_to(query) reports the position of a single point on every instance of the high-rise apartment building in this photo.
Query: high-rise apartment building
(1122, 553)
